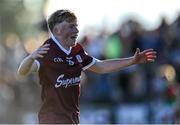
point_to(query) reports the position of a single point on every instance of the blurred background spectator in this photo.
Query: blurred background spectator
(138, 94)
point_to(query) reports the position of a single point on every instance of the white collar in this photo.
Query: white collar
(59, 45)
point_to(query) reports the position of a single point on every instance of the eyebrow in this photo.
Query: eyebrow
(74, 24)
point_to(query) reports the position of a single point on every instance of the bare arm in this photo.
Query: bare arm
(111, 65)
(28, 64)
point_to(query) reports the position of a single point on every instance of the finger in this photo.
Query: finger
(44, 49)
(151, 56)
(39, 55)
(137, 51)
(46, 45)
(147, 50)
(42, 52)
(150, 60)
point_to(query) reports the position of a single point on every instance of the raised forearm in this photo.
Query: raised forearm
(25, 65)
(111, 65)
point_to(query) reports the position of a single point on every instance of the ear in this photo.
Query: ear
(56, 30)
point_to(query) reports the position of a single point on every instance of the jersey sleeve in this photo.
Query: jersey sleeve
(38, 64)
(87, 60)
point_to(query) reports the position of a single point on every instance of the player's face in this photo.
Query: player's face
(68, 33)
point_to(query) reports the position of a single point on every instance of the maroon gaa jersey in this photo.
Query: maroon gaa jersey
(59, 74)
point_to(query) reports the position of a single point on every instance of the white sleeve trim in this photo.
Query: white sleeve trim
(89, 65)
(38, 65)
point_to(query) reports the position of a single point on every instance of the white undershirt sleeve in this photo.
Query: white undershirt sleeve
(90, 64)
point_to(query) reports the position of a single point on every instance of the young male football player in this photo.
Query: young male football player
(60, 61)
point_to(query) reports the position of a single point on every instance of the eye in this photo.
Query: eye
(73, 26)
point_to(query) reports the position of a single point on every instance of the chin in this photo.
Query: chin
(73, 44)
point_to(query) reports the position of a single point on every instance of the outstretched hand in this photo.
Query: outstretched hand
(148, 55)
(39, 53)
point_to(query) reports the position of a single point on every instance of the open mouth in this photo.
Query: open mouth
(74, 36)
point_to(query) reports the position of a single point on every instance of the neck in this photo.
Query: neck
(61, 42)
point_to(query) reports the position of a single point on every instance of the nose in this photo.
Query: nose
(76, 30)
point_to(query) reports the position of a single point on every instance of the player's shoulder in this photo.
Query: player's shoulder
(48, 41)
(78, 48)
